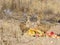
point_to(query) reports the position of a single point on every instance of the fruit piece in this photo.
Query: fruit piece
(35, 32)
(51, 33)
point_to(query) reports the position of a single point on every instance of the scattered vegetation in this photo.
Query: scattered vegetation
(20, 10)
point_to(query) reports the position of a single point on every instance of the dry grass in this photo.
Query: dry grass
(45, 10)
(12, 12)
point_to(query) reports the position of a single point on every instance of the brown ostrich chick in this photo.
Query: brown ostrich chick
(23, 27)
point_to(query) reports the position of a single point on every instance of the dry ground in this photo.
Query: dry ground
(11, 11)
